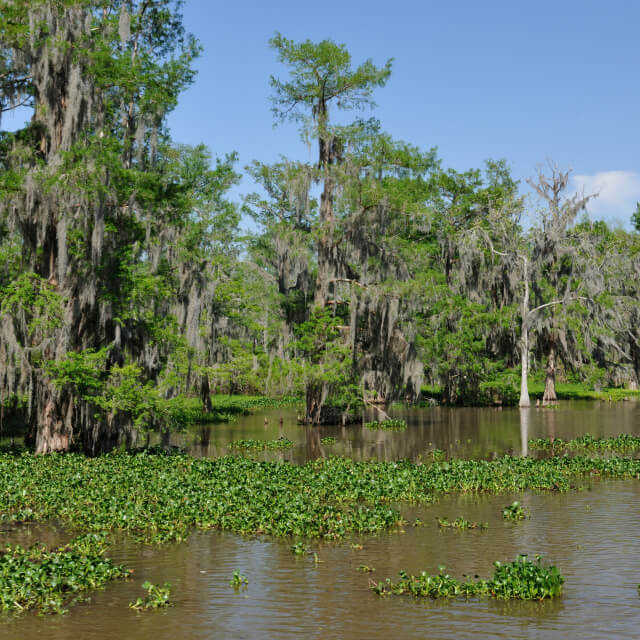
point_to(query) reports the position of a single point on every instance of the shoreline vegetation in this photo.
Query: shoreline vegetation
(431, 394)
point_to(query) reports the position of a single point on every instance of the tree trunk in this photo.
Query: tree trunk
(316, 394)
(549, 396)
(205, 395)
(524, 385)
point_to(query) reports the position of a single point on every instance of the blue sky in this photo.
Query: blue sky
(528, 82)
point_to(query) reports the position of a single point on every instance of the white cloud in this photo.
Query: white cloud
(619, 192)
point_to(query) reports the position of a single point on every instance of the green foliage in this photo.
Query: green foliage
(35, 303)
(238, 580)
(281, 444)
(621, 443)
(525, 580)
(157, 597)
(635, 218)
(320, 73)
(521, 579)
(327, 440)
(322, 357)
(365, 568)
(460, 523)
(392, 424)
(121, 389)
(158, 497)
(84, 371)
(48, 581)
(514, 512)
(300, 549)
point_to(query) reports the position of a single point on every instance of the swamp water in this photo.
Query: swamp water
(591, 535)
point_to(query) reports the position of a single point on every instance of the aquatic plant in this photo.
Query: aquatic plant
(461, 523)
(157, 597)
(300, 549)
(365, 568)
(514, 512)
(238, 580)
(159, 497)
(622, 443)
(328, 440)
(280, 444)
(48, 581)
(387, 425)
(521, 579)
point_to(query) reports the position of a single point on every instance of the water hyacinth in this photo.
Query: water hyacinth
(48, 581)
(387, 425)
(280, 444)
(514, 512)
(621, 443)
(158, 498)
(521, 579)
(157, 597)
(460, 523)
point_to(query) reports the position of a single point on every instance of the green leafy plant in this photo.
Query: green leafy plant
(514, 512)
(281, 444)
(48, 581)
(461, 523)
(157, 497)
(365, 568)
(622, 443)
(156, 598)
(387, 425)
(300, 549)
(238, 580)
(328, 440)
(521, 579)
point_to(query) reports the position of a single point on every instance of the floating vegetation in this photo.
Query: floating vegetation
(156, 598)
(514, 512)
(328, 440)
(238, 580)
(387, 425)
(461, 523)
(521, 579)
(281, 444)
(365, 568)
(48, 581)
(300, 549)
(159, 497)
(621, 443)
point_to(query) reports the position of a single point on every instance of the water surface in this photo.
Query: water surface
(591, 535)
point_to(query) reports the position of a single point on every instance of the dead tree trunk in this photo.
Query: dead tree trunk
(524, 385)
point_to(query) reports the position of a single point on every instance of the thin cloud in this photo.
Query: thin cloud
(619, 191)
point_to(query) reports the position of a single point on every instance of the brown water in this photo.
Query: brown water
(461, 432)
(591, 535)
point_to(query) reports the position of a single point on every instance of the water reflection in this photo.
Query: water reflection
(460, 432)
(524, 430)
(590, 535)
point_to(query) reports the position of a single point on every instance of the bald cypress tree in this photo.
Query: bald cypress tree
(85, 191)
